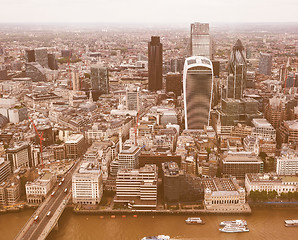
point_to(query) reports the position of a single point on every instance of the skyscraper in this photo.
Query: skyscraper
(265, 63)
(197, 88)
(154, 64)
(41, 56)
(200, 44)
(237, 71)
(100, 79)
(76, 83)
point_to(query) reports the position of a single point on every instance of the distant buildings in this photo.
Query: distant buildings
(133, 98)
(197, 88)
(87, 186)
(155, 64)
(263, 129)
(237, 72)
(100, 79)
(137, 187)
(200, 44)
(174, 83)
(265, 63)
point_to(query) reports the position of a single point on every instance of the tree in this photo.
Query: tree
(272, 195)
(263, 156)
(283, 196)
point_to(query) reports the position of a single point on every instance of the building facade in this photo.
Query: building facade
(200, 40)
(197, 88)
(87, 186)
(155, 64)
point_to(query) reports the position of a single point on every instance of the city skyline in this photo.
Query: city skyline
(131, 11)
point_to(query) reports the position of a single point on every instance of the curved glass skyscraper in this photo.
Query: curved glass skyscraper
(197, 89)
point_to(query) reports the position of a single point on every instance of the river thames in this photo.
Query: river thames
(263, 224)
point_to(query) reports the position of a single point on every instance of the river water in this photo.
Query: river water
(264, 224)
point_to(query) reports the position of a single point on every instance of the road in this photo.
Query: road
(52, 203)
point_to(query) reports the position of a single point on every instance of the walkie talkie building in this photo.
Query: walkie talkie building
(197, 89)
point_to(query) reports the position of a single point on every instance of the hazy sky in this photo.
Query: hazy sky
(149, 11)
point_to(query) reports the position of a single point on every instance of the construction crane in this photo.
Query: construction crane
(136, 129)
(40, 136)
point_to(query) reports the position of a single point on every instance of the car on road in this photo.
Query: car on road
(62, 180)
(49, 213)
(53, 193)
(65, 190)
(36, 218)
(60, 183)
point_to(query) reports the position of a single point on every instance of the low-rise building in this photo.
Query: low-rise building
(37, 190)
(224, 195)
(237, 164)
(270, 182)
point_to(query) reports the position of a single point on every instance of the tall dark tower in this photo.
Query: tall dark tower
(237, 71)
(155, 64)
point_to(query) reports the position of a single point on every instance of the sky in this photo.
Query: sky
(147, 11)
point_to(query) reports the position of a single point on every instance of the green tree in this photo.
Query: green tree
(263, 156)
(283, 196)
(272, 195)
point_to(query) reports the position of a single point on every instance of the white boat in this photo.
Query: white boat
(234, 229)
(291, 223)
(159, 237)
(236, 222)
(194, 220)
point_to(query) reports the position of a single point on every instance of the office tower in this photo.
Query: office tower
(76, 83)
(174, 83)
(237, 71)
(133, 98)
(128, 157)
(30, 55)
(41, 56)
(52, 61)
(200, 44)
(87, 185)
(197, 88)
(154, 64)
(216, 68)
(100, 79)
(265, 63)
(138, 187)
(19, 156)
(66, 53)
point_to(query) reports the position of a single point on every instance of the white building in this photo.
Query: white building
(270, 182)
(263, 128)
(137, 187)
(133, 98)
(87, 186)
(36, 191)
(287, 165)
(128, 157)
